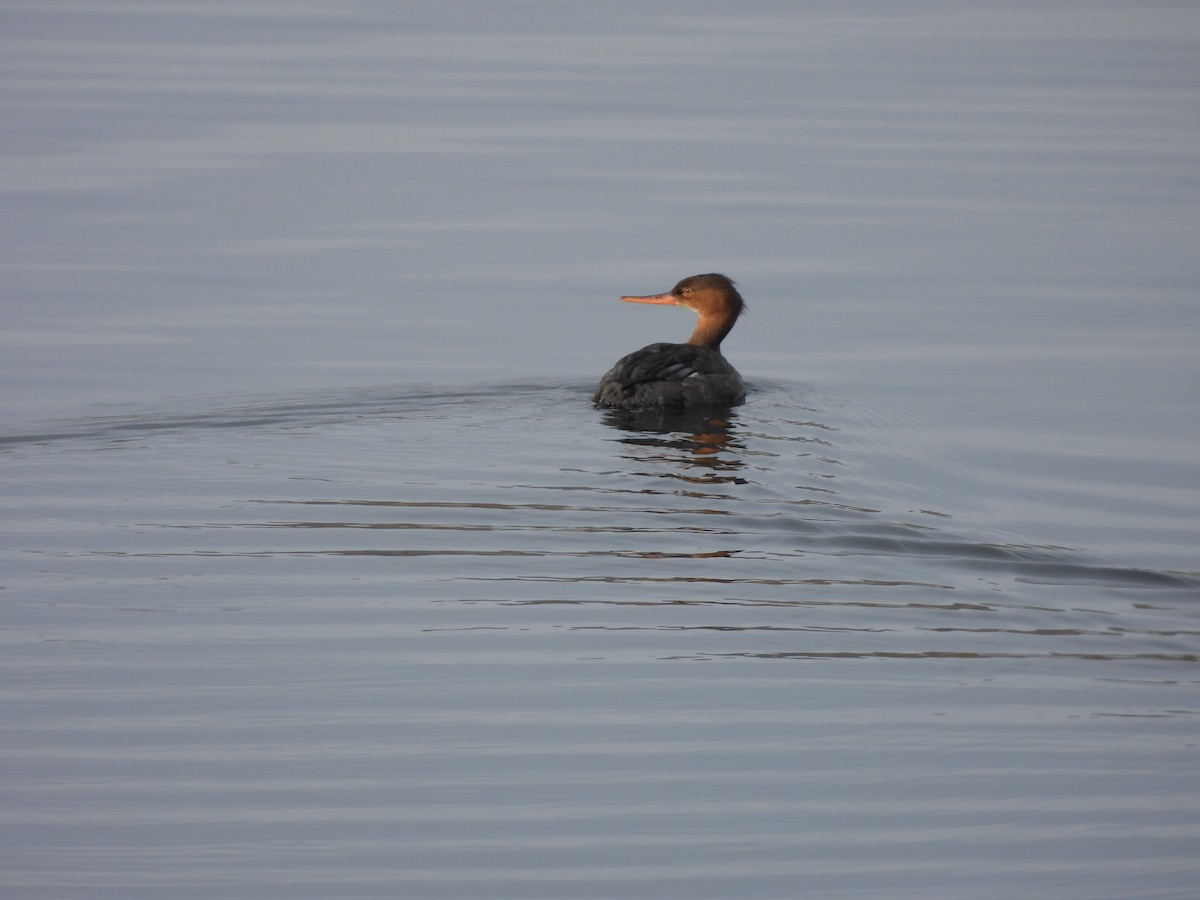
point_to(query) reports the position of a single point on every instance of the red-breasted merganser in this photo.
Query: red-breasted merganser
(691, 374)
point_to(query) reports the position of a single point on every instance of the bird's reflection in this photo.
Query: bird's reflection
(703, 444)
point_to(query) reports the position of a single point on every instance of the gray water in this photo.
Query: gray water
(322, 577)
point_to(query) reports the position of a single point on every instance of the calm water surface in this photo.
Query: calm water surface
(322, 578)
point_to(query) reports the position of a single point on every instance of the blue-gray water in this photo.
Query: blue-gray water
(322, 578)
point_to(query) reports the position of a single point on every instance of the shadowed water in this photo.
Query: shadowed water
(359, 640)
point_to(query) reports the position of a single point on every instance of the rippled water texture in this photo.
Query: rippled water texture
(358, 644)
(321, 577)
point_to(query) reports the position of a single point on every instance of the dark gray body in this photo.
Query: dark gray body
(671, 375)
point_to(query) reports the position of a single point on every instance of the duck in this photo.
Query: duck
(691, 374)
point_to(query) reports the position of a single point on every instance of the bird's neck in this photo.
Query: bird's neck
(710, 331)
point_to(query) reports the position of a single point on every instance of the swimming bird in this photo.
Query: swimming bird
(691, 374)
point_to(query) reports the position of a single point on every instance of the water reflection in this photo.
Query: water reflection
(704, 443)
